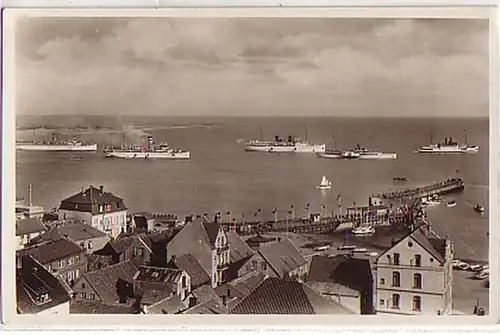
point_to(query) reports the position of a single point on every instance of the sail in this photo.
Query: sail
(324, 181)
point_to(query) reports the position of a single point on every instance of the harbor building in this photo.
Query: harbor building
(27, 230)
(97, 208)
(26, 210)
(414, 276)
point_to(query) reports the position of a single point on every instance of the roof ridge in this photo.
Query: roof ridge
(112, 265)
(266, 277)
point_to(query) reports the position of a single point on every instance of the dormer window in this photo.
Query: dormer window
(42, 298)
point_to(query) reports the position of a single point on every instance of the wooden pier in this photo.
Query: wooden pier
(444, 187)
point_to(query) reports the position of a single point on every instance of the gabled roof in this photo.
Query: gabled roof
(90, 199)
(283, 256)
(33, 280)
(170, 305)
(209, 307)
(212, 230)
(51, 251)
(121, 245)
(76, 232)
(156, 274)
(434, 246)
(29, 226)
(238, 248)
(192, 267)
(104, 281)
(285, 296)
(205, 293)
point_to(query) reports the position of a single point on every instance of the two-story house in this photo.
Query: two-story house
(62, 257)
(28, 230)
(276, 259)
(87, 237)
(97, 208)
(207, 242)
(38, 291)
(414, 276)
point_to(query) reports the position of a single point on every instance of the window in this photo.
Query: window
(77, 273)
(83, 295)
(249, 267)
(396, 259)
(418, 260)
(183, 281)
(382, 302)
(91, 296)
(263, 266)
(68, 276)
(417, 280)
(395, 301)
(62, 263)
(417, 303)
(389, 259)
(138, 252)
(396, 279)
(89, 245)
(42, 298)
(254, 264)
(77, 258)
(83, 285)
(382, 281)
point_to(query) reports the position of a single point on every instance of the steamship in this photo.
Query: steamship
(150, 151)
(449, 146)
(55, 145)
(279, 145)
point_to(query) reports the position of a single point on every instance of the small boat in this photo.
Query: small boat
(322, 247)
(325, 184)
(364, 231)
(455, 263)
(451, 203)
(476, 268)
(482, 275)
(360, 250)
(372, 253)
(463, 266)
(347, 247)
(399, 178)
(76, 158)
(478, 208)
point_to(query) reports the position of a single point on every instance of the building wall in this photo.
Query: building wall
(83, 291)
(300, 273)
(141, 256)
(435, 291)
(110, 223)
(60, 310)
(70, 268)
(220, 257)
(255, 263)
(23, 240)
(352, 303)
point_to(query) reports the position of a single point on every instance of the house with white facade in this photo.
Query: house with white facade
(27, 230)
(97, 208)
(414, 276)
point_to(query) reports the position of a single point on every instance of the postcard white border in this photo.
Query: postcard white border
(185, 322)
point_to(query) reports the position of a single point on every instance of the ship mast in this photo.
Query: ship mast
(30, 195)
(261, 133)
(465, 135)
(305, 130)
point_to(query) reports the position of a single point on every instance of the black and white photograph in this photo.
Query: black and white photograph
(246, 165)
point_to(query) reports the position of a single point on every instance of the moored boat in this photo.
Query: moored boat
(449, 146)
(279, 145)
(55, 145)
(451, 203)
(363, 231)
(478, 208)
(366, 154)
(151, 151)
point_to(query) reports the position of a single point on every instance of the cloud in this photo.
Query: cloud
(169, 66)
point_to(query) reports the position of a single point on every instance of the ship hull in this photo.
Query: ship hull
(379, 156)
(287, 149)
(55, 147)
(148, 155)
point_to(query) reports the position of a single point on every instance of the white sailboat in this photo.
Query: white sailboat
(325, 184)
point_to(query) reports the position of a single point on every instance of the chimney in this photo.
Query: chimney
(173, 258)
(101, 189)
(83, 190)
(228, 293)
(224, 300)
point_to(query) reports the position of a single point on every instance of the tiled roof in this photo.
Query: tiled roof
(156, 274)
(257, 239)
(90, 199)
(104, 281)
(171, 305)
(283, 256)
(209, 307)
(76, 232)
(97, 307)
(238, 248)
(192, 239)
(152, 295)
(52, 251)
(205, 293)
(33, 280)
(334, 289)
(345, 270)
(189, 264)
(285, 296)
(96, 262)
(29, 226)
(237, 289)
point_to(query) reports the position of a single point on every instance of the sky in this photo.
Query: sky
(252, 66)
